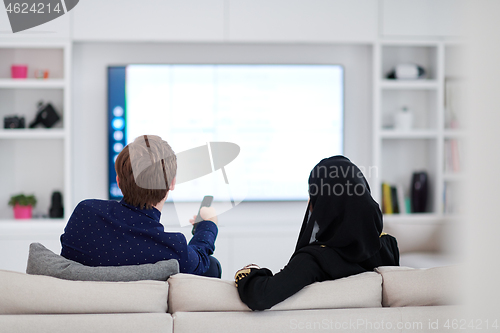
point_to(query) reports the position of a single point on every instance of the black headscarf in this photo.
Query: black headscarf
(349, 220)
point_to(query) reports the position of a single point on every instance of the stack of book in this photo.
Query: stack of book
(394, 200)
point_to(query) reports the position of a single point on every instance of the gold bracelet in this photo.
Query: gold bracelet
(241, 274)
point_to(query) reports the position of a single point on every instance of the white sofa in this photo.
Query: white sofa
(393, 299)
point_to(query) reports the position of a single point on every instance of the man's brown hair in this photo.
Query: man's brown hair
(146, 169)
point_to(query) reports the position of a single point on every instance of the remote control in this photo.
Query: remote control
(206, 202)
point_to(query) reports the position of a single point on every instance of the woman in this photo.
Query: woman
(341, 236)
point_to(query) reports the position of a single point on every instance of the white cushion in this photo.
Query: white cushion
(36, 294)
(197, 293)
(405, 286)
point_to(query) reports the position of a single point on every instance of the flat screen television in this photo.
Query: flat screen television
(284, 118)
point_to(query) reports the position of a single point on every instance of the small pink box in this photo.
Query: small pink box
(19, 71)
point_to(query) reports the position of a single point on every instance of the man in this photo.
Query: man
(129, 232)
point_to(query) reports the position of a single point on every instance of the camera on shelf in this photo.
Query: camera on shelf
(13, 122)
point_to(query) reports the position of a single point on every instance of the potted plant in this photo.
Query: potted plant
(23, 205)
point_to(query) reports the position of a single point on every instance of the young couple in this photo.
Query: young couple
(341, 234)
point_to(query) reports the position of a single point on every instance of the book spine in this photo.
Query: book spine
(387, 202)
(394, 200)
(401, 199)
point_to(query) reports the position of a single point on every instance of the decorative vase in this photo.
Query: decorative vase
(23, 212)
(403, 119)
(419, 192)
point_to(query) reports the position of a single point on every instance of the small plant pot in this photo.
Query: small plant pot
(23, 212)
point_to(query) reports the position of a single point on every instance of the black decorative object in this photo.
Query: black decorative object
(407, 72)
(46, 115)
(419, 190)
(56, 208)
(13, 122)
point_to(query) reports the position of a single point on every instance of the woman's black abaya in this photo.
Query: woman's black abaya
(342, 236)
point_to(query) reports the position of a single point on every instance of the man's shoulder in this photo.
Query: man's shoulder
(97, 203)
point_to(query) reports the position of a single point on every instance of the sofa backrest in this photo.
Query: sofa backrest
(190, 293)
(405, 286)
(388, 286)
(35, 294)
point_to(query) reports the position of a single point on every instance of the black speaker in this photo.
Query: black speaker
(419, 191)
(56, 208)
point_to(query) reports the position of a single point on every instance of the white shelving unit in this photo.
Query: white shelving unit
(398, 153)
(35, 160)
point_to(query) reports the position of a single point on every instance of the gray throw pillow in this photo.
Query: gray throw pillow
(42, 261)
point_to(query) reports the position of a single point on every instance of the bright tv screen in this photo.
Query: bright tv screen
(284, 118)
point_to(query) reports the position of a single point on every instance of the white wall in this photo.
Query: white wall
(306, 21)
(226, 20)
(251, 230)
(195, 31)
(483, 227)
(419, 18)
(90, 93)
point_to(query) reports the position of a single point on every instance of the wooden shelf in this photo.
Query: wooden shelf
(29, 133)
(32, 83)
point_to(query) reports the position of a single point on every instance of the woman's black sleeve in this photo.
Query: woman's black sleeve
(260, 290)
(388, 255)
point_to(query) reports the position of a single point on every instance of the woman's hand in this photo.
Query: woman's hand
(252, 266)
(243, 273)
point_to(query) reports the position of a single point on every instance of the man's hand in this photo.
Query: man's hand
(206, 214)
